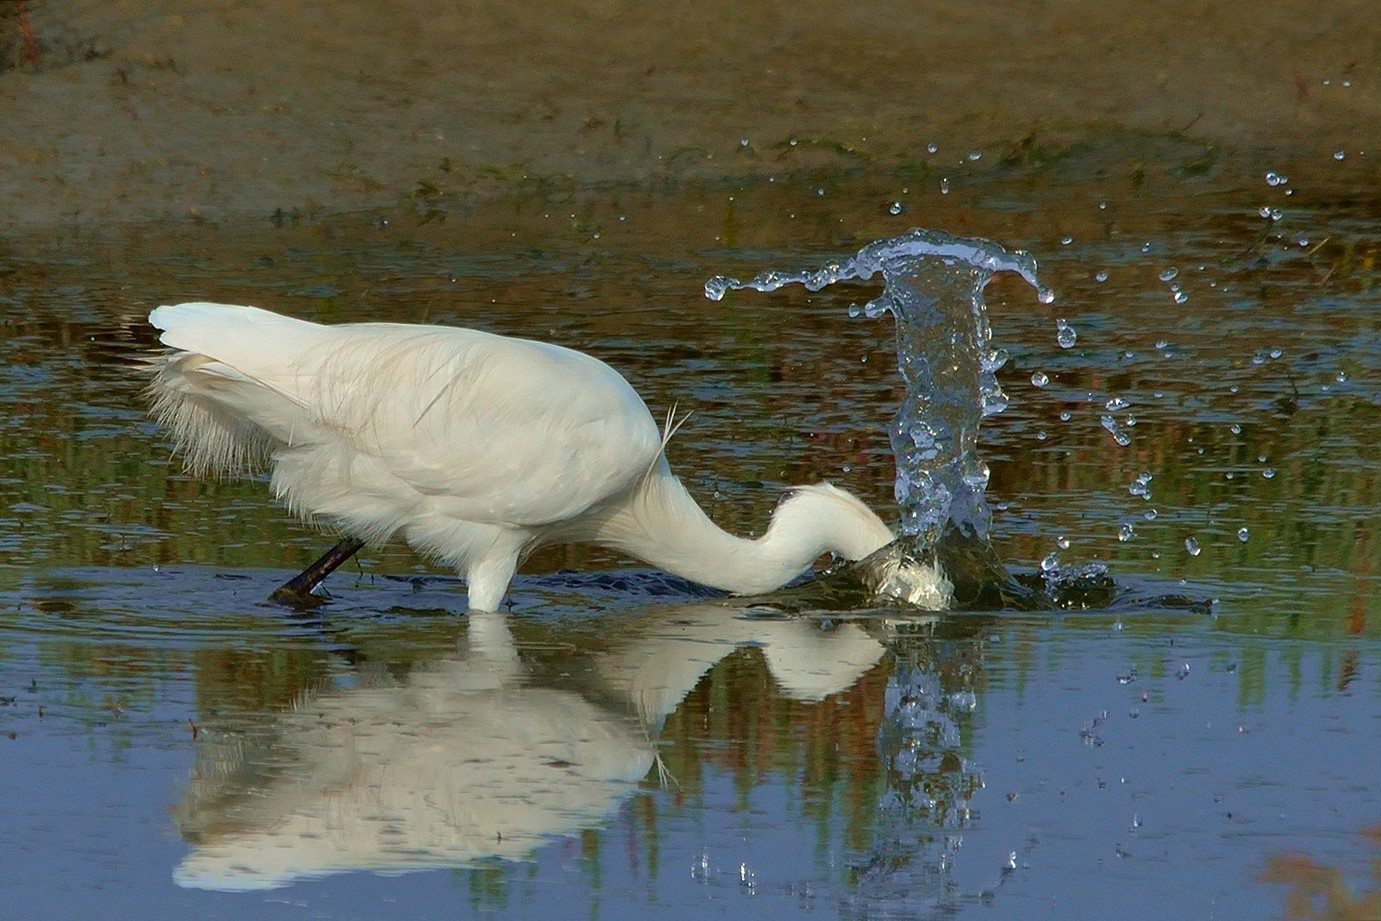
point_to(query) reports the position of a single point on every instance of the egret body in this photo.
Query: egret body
(473, 447)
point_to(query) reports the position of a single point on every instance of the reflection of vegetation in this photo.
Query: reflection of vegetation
(1321, 893)
(488, 887)
(738, 722)
(258, 679)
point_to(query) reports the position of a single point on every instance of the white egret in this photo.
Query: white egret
(475, 448)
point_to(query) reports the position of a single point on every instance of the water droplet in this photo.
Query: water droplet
(1192, 546)
(1337, 155)
(1126, 532)
(1065, 415)
(975, 154)
(1242, 535)
(1264, 211)
(944, 186)
(1100, 276)
(932, 148)
(1162, 344)
(820, 191)
(743, 142)
(1269, 472)
(792, 142)
(894, 208)
(1342, 377)
(1276, 353)
(1235, 429)
(1039, 379)
(1169, 274)
(1050, 563)
(1141, 486)
(1151, 514)
(1119, 436)
(855, 311)
(1066, 240)
(1041, 436)
(1065, 334)
(1181, 297)
(1062, 542)
(1274, 179)
(1116, 403)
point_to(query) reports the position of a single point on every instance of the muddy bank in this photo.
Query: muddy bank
(142, 110)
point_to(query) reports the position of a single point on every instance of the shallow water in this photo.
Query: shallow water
(626, 744)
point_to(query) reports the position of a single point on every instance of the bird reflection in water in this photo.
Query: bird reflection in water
(475, 757)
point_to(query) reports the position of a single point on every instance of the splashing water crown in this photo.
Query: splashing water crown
(933, 286)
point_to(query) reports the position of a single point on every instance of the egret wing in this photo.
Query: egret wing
(487, 428)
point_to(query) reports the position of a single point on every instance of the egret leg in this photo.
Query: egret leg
(297, 591)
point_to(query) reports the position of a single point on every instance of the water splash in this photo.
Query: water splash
(933, 287)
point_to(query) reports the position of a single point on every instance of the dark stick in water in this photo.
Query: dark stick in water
(297, 591)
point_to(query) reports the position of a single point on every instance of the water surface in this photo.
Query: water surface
(678, 753)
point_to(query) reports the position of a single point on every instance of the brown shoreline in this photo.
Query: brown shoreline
(145, 110)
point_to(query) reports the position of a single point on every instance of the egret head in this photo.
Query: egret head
(840, 519)
(843, 524)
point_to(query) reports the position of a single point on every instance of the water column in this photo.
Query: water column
(945, 359)
(933, 287)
